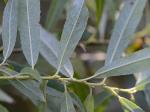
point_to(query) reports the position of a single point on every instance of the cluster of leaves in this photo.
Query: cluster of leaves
(23, 16)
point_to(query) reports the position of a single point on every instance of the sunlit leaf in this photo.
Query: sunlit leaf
(132, 107)
(29, 16)
(9, 27)
(127, 65)
(74, 27)
(126, 25)
(49, 50)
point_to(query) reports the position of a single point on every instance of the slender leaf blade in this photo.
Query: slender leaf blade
(29, 16)
(30, 88)
(33, 73)
(67, 105)
(9, 27)
(89, 103)
(126, 65)
(143, 84)
(54, 13)
(132, 107)
(126, 25)
(74, 27)
(49, 50)
(4, 97)
(3, 109)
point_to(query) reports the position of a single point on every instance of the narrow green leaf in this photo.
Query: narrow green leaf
(74, 27)
(49, 50)
(4, 97)
(99, 9)
(43, 105)
(29, 16)
(9, 27)
(132, 107)
(33, 73)
(126, 25)
(3, 109)
(30, 88)
(54, 97)
(67, 104)
(143, 84)
(127, 65)
(89, 103)
(54, 13)
(77, 102)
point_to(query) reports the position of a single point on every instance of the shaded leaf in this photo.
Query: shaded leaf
(54, 13)
(126, 25)
(54, 97)
(74, 27)
(127, 65)
(67, 104)
(75, 87)
(43, 105)
(49, 50)
(132, 107)
(89, 103)
(77, 101)
(9, 27)
(3, 109)
(29, 16)
(30, 88)
(99, 9)
(33, 73)
(143, 84)
(102, 97)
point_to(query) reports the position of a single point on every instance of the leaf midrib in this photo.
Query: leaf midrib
(122, 32)
(9, 30)
(126, 64)
(29, 29)
(70, 37)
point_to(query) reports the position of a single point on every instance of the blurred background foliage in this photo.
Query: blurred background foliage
(87, 58)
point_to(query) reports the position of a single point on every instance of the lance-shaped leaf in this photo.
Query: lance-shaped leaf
(67, 104)
(49, 50)
(29, 16)
(30, 88)
(74, 27)
(134, 63)
(54, 97)
(4, 97)
(3, 109)
(130, 106)
(125, 27)
(143, 84)
(89, 103)
(9, 27)
(54, 13)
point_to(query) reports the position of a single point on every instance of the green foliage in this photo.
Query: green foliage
(130, 105)
(62, 91)
(3, 109)
(9, 29)
(28, 24)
